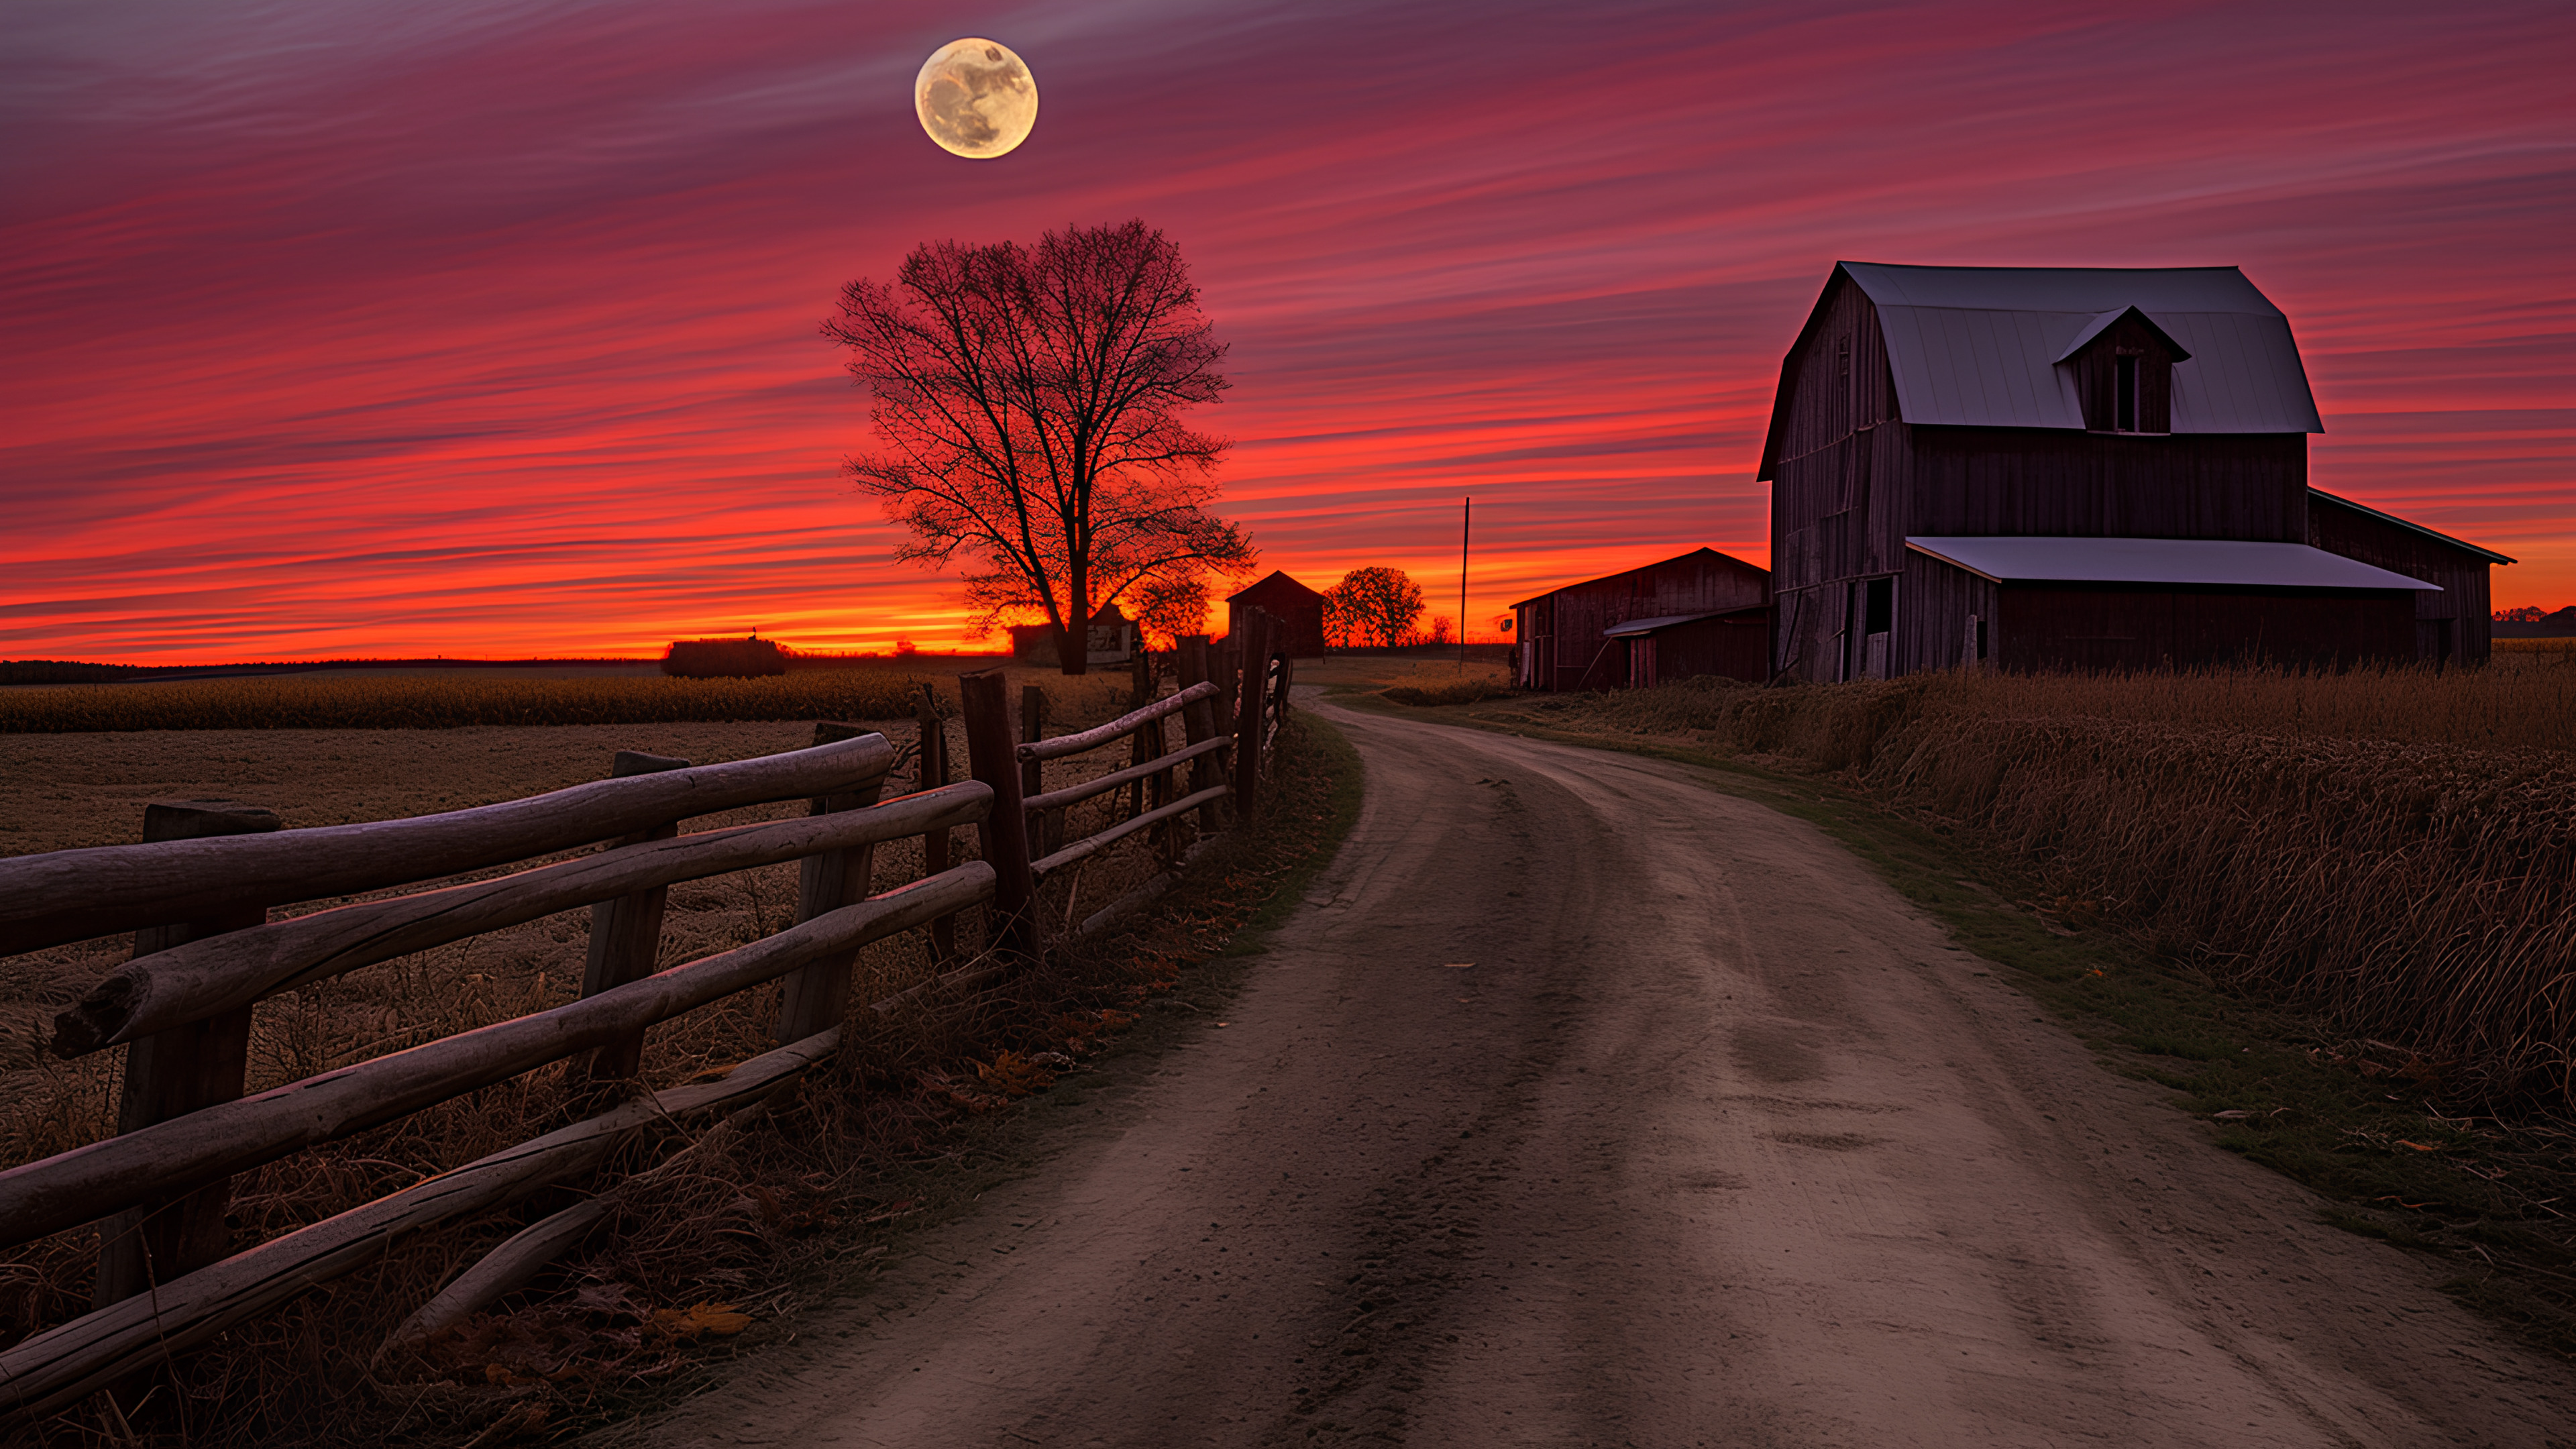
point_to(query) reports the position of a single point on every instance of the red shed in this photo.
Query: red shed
(1299, 607)
(1700, 613)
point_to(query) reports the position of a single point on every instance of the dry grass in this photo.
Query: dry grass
(2391, 849)
(433, 701)
(716, 1235)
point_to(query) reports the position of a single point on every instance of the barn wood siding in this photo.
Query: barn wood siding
(1825, 484)
(1807, 632)
(2033, 481)
(1934, 603)
(1735, 646)
(2127, 627)
(2463, 575)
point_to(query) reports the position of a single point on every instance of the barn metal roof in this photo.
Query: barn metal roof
(2410, 525)
(1632, 627)
(2204, 561)
(1642, 568)
(1981, 346)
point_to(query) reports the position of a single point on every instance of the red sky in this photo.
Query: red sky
(491, 328)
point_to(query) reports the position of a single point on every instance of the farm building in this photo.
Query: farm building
(1112, 641)
(1299, 607)
(1700, 613)
(2041, 467)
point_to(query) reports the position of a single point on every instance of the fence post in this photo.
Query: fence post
(934, 846)
(1252, 693)
(991, 758)
(1198, 721)
(1050, 829)
(175, 1072)
(625, 938)
(1147, 742)
(817, 996)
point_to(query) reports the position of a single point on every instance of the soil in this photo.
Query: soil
(1580, 1104)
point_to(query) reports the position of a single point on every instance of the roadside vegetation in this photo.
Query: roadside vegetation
(2336, 912)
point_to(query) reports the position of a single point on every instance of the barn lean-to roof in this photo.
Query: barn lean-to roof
(2221, 562)
(1989, 346)
(2462, 544)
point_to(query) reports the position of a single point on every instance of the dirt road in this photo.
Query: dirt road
(1716, 1141)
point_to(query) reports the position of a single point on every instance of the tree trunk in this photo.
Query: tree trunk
(1073, 648)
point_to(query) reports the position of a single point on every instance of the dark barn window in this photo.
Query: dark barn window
(2124, 393)
(1881, 612)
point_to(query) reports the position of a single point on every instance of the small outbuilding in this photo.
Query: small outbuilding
(1112, 641)
(1285, 599)
(1702, 612)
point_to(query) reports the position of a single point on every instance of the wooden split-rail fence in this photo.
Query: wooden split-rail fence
(198, 892)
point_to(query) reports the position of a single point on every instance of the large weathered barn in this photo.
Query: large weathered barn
(1701, 613)
(2076, 467)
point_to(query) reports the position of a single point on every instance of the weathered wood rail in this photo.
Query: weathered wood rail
(197, 893)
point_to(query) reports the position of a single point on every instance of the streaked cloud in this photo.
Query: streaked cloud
(491, 327)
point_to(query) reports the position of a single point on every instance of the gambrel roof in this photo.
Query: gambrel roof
(1988, 346)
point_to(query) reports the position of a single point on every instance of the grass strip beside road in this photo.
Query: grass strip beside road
(2357, 1122)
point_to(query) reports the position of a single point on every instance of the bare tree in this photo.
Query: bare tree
(1377, 605)
(1028, 400)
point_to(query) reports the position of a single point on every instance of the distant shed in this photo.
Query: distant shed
(1300, 607)
(1112, 640)
(1702, 612)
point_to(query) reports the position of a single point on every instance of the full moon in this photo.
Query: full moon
(975, 98)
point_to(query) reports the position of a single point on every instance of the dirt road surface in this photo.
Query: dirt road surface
(1583, 1105)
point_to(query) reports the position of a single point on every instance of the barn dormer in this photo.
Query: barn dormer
(2121, 369)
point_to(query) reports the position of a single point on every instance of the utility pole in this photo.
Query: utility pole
(1466, 517)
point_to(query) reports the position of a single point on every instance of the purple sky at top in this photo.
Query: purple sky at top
(331, 329)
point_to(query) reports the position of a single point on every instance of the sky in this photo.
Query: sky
(491, 329)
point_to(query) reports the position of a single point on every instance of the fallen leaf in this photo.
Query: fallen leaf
(720, 1319)
(1460, 965)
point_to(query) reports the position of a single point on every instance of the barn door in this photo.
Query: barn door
(1878, 628)
(1641, 661)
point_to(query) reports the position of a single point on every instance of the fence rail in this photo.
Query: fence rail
(73, 895)
(205, 954)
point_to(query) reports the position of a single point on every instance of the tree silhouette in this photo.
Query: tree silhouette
(1372, 605)
(1028, 401)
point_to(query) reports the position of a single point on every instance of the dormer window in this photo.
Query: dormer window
(2122, 367)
